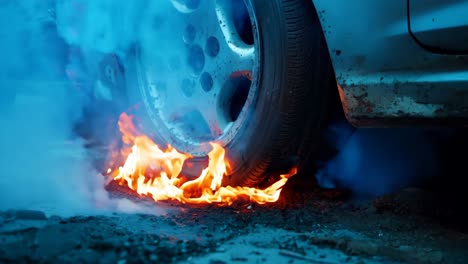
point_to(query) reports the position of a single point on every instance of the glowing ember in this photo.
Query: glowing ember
(151, 171)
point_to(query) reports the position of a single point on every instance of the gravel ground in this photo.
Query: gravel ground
(412, 226)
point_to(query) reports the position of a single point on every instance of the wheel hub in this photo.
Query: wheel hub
(196, 71)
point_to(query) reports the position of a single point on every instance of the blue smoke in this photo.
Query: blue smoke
(43, 164)
(378, 161)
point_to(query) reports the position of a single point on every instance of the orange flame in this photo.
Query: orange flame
(151, 171)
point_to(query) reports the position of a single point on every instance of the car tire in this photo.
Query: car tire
(293, 88)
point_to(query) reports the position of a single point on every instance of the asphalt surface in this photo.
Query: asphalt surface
(310, 227)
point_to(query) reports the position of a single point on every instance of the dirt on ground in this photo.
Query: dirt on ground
(412, 226)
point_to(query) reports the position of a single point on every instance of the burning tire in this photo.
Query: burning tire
(251, 76)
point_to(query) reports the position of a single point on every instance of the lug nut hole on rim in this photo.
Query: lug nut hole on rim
(196, 59)
(232, 99)
(189, 34)
(206, 81)
(212, 47)
(188, 87)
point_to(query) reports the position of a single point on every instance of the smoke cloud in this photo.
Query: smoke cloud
(375, 161)
(43, 164)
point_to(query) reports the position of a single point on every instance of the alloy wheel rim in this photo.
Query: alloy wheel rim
(200, 85)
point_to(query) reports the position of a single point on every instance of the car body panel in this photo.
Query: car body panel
(440, 25)
(384, 76)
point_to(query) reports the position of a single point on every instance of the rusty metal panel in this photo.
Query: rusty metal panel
(385, 77)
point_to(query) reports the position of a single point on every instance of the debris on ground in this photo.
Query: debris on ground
(306, 228)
